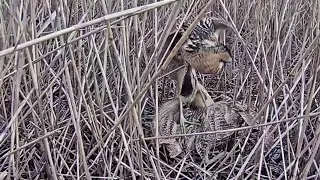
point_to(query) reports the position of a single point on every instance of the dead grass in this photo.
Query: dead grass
(78, 87)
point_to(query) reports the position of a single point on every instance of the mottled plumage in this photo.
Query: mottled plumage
(169, 118)
(169, 124)
(176, 63)
(207, 57)
(218, 116)
(207, 28)
(202, 50)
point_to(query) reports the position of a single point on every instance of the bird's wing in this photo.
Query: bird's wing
(167, 120)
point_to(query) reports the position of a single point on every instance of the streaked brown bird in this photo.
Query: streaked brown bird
(169, 120)
(220, 115)
(189, 93)
(203, 51)
(171, 117)
(177, 64)
(168, 125)
(197, 107)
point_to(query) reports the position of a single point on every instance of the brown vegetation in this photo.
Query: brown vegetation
(79, 86)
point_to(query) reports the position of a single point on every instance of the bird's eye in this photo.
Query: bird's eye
(190, 48)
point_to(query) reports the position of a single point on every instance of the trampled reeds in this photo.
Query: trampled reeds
(80, 82)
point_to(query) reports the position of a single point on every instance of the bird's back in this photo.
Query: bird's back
(168, 125)
(168, 118)
(218, 116)
(222, 116)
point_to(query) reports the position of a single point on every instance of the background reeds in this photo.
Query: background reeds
(66, 92)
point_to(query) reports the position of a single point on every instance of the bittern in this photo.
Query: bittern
(195, 106)
(171, 112)
(192, 94)
(169, 120)
(202, 52)
(220, 115)
(202, 49)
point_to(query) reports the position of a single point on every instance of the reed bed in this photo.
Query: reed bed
(80, 82)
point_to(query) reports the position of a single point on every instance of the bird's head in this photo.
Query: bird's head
(209, 28)
(191, 46)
